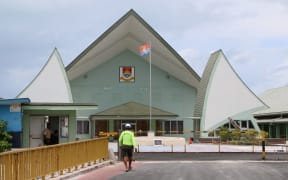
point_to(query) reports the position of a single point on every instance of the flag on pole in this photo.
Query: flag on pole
(145, 49)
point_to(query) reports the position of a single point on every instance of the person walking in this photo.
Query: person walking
(127, 145)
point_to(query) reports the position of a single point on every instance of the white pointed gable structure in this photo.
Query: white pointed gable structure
(223, 95)
(51, 84)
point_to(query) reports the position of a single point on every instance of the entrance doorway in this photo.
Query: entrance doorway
(54, 122)
(37, 126)
(140, 127)
(101, 126)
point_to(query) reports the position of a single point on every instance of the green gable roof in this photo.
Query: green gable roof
(129, 32)
(134, 110)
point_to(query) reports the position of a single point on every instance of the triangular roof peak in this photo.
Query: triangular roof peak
(129, 32)
(222, 93)
(133, 109)
(51, 84)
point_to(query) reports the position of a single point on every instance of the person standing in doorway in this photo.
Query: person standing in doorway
(127, 145)
(55, 137)
(47, 133)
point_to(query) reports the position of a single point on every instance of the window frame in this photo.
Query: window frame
(174, 126)
(85, 126)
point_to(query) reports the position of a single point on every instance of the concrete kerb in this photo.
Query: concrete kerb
(203, 147)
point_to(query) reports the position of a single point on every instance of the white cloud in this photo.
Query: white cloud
(17, 78)
(196, 59)
(234, 24)
(259, 68)
(283, 67)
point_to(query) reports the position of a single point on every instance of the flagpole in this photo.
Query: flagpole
(150, 87)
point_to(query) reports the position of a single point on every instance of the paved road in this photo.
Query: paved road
(197, 166)
(200, 156)
(207, 170)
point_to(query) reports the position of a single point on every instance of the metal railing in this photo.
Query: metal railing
(49, 161)
(213, 148)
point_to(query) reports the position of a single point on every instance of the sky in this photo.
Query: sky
(253, 35)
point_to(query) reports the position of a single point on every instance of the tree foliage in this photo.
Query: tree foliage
(5, 137)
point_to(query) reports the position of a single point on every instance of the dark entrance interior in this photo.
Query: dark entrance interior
(54, 122)
(101, 126)
(140, 127)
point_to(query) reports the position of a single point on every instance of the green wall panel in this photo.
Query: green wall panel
(102, 86)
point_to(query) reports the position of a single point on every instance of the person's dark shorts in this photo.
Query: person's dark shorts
(126, 151)
(47, 141)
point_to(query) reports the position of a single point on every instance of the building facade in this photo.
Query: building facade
(110, 84)
(274, 120)
(127, 86)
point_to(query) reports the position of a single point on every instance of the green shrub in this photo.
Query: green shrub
(250, 135)
(5, 138)
(238, 137)
(236, 134)
(224, 134)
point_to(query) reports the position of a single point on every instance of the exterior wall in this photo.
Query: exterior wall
(26, 124)
(14, 124)
(102, 86)
(13, 118)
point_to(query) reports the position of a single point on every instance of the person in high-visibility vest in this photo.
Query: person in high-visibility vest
(127, 145)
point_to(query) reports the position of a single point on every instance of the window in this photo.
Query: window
(83, 127)
(244, 124)
(173, 127)
(64, 123)
(250, 125)
(226, 125)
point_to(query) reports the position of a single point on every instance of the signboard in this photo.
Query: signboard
(157, 141)
(127, 74)
(16, 107)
